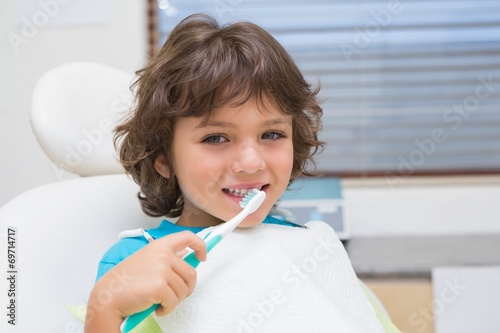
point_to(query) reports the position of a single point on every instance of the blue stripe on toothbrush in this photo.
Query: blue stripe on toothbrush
(191, 258)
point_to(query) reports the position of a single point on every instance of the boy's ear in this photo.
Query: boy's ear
(161, 167)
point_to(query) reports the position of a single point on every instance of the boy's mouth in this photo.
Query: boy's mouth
(241, 192)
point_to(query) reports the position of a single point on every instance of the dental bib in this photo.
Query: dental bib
(274, 278)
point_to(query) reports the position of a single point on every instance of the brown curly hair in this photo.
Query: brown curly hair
(201, 67)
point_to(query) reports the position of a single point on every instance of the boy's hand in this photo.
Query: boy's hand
(156, 274)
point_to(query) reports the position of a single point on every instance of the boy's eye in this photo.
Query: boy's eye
(215, 139)
(271, 136)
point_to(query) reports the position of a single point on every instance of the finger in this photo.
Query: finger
(175, 291)
(168, 304)
(183, 239)
(182, 253)
(179, 286)
(185, 272)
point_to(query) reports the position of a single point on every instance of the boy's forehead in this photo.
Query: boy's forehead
(230, 114)
(264, 108)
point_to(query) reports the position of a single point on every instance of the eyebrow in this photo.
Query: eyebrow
(225, 124)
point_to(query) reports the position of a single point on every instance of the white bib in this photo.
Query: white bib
(272, 279)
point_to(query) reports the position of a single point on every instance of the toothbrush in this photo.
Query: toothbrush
(250, 203)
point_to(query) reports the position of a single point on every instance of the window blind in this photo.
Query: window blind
(408, 87)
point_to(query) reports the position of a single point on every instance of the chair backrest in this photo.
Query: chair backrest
(74, 110)
(59, 232)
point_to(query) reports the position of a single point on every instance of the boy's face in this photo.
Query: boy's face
(240, 148)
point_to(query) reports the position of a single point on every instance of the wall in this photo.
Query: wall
(423, 206)
(120, 40)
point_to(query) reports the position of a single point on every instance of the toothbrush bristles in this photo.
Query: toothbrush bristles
(246, 199)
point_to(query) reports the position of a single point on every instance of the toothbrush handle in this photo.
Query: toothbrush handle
(132, 321)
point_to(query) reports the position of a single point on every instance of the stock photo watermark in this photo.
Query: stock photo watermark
(12, 276)
(452, 118)
(94, 137)
(423, 317)
(31, 26)
(291, 279)
(223, 7)
(116, 285)
(365, 35)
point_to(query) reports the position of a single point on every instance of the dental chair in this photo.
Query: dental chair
(59, 231)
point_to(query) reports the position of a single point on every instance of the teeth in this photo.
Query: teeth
(239, 192)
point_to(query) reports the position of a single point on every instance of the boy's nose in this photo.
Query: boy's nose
(248, 159)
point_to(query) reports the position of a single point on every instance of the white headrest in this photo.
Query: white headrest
(75, 108)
